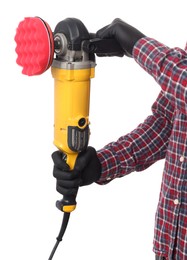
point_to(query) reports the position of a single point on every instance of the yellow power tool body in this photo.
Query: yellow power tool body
(72, 70)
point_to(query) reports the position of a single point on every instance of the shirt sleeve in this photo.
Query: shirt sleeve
(140, 148)
(168, 66)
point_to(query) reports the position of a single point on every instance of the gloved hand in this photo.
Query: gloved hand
(125, 35)
(87, 170)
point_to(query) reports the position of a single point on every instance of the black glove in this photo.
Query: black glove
(123, 33)
(87, 170)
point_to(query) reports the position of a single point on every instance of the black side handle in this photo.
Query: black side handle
(103, 47)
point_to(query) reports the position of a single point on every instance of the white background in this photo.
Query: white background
(115, 221)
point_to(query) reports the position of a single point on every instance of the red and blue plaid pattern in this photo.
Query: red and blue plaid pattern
(162, 135)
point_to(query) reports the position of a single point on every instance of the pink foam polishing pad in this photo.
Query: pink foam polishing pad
(35, 46)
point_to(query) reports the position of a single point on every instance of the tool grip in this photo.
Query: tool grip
(103, 47)
(68, 202)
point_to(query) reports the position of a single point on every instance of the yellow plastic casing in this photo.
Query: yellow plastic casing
(71, 103)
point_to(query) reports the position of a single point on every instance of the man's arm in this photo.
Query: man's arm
(142, 147)
(168, 67)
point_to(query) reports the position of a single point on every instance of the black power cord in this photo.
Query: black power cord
(61, 233)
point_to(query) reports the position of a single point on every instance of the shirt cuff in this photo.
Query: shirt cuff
(109, 166)
(117, 160)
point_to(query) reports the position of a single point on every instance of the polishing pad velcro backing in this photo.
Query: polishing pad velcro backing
(35, 46)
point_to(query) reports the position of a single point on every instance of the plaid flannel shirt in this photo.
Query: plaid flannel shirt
(163, 134)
